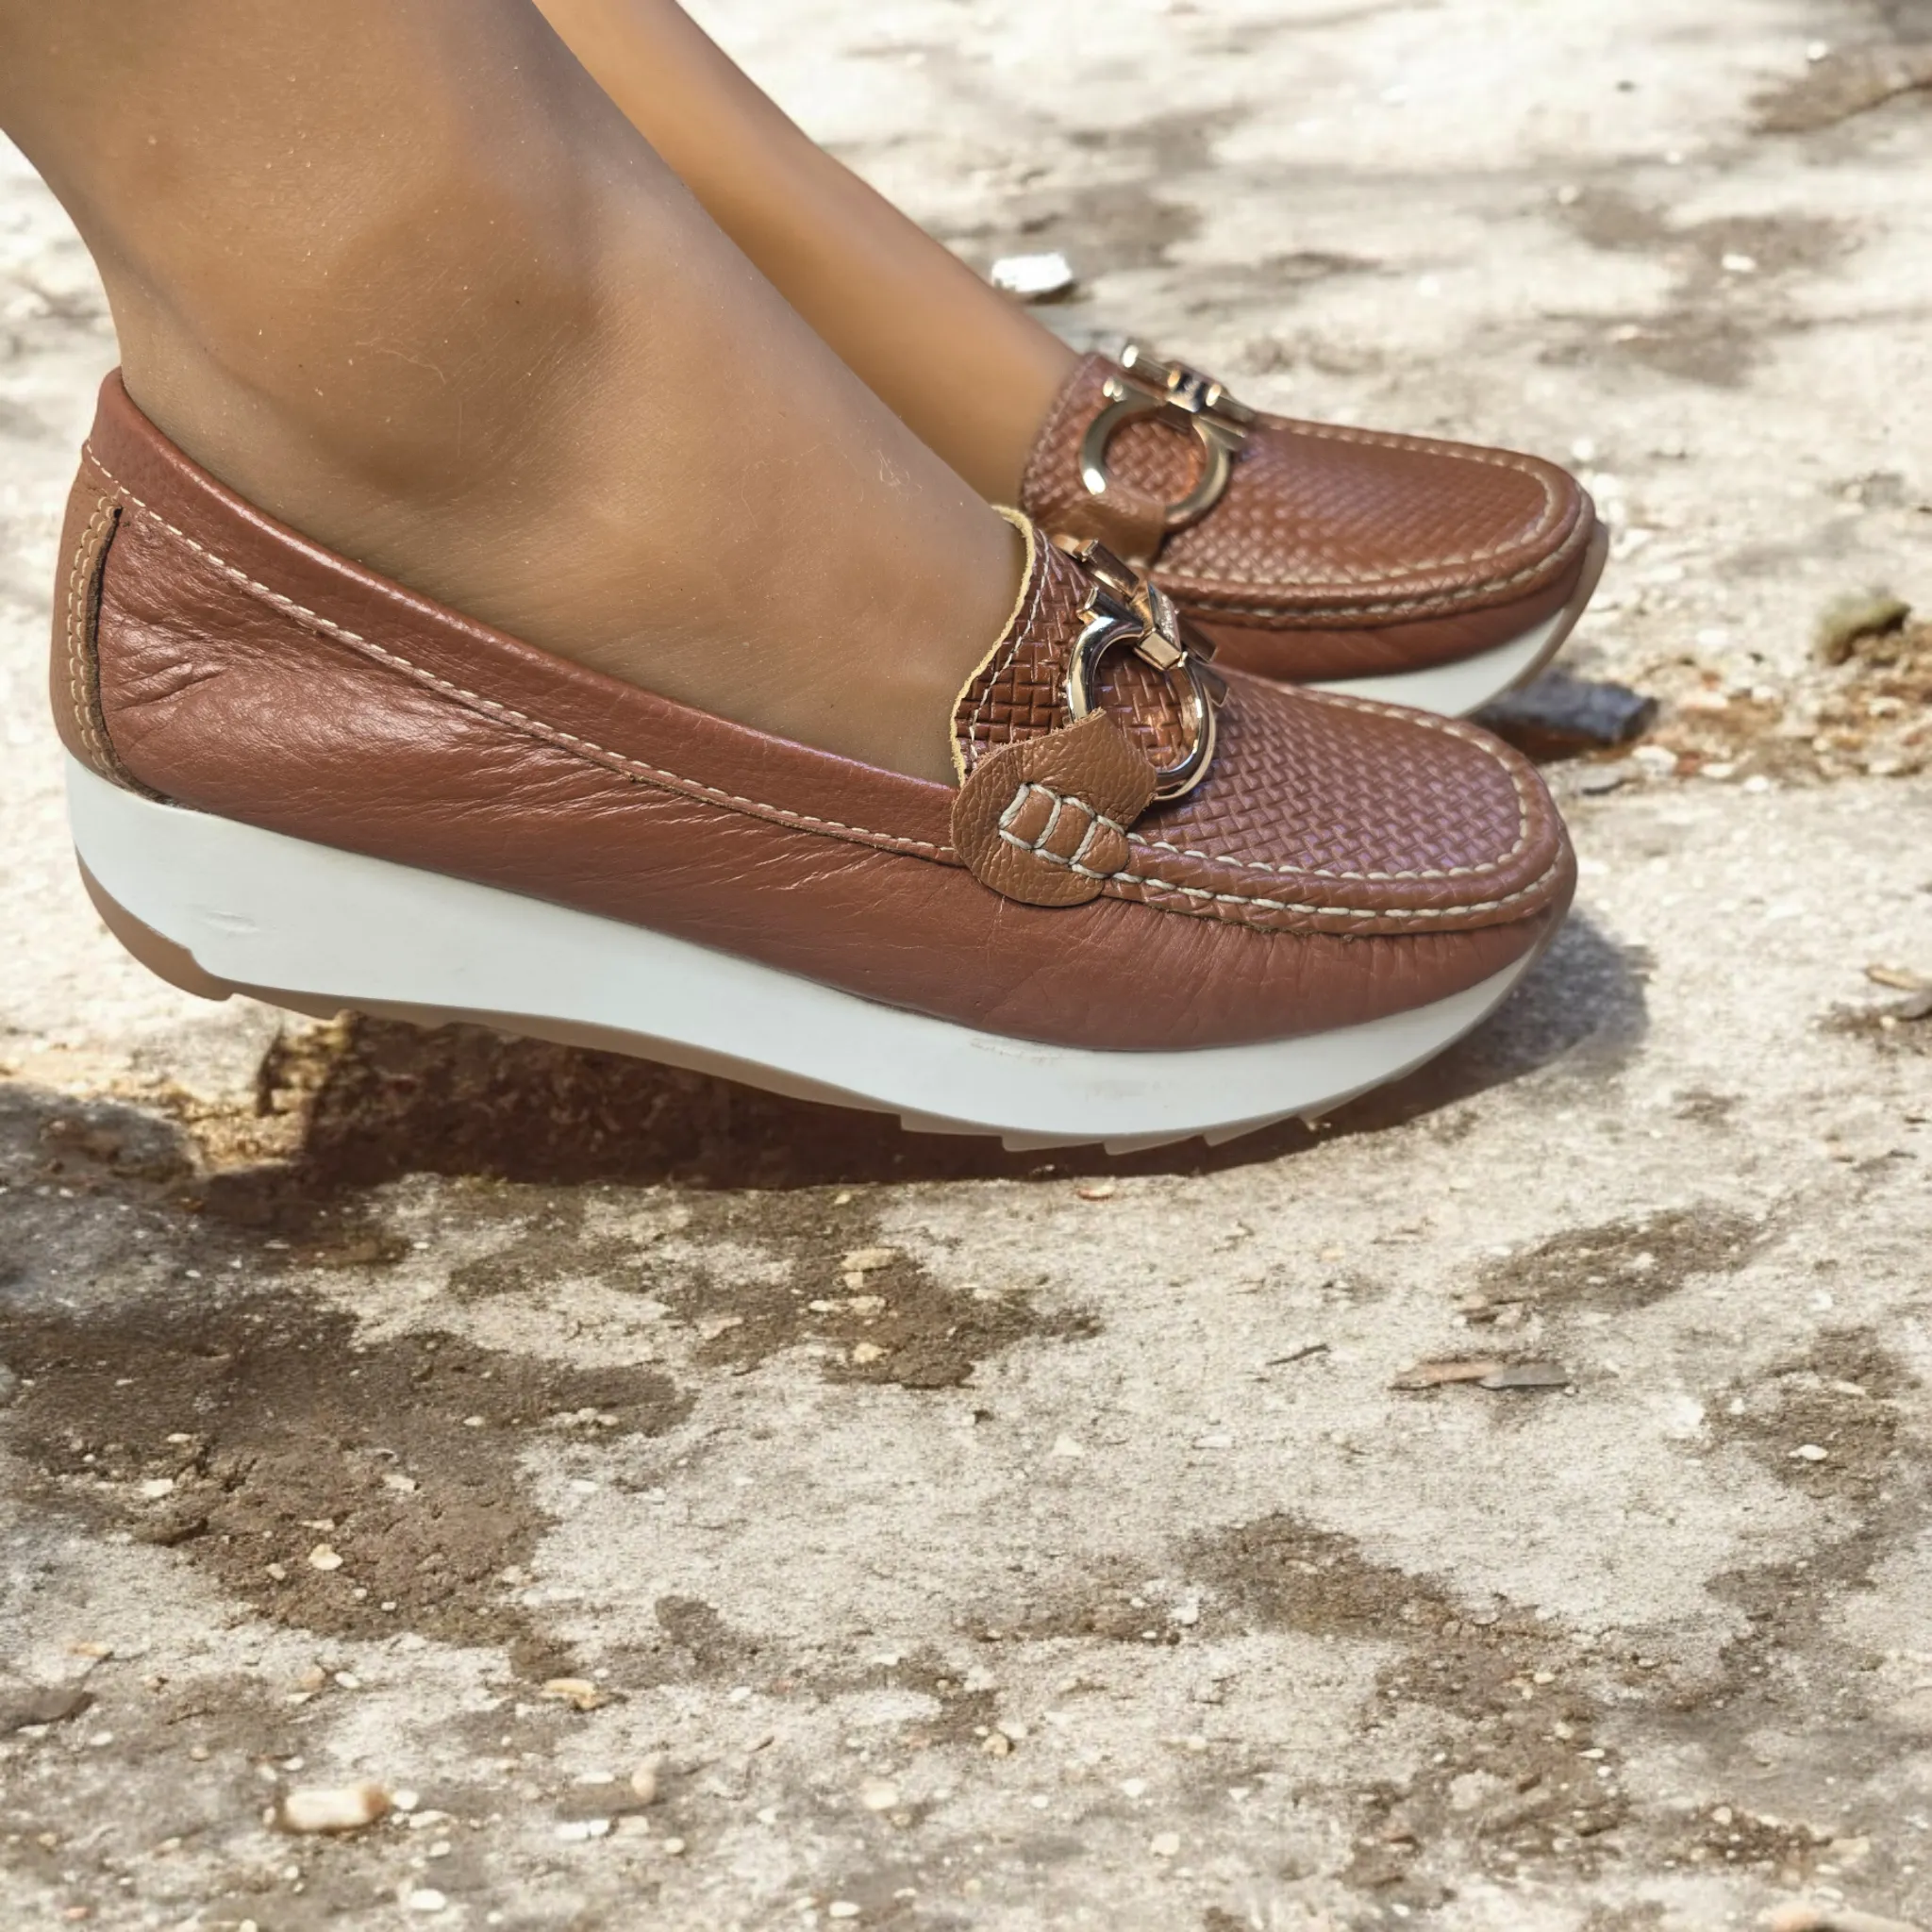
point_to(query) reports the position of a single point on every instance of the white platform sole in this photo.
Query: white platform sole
(1466, 685)
(320, 930)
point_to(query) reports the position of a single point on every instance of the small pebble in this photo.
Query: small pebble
(877, 1795)
(580, 1692)
(841, 1909)
(1810, 1452)
(644, 1780)
(157, 1487)
(323, 1557)
(1165, 1845)
(424, 1900)
(865, 1352)
(349, 1807)
(869, 1261)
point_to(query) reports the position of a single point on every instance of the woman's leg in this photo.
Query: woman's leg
(400, 274)
(973, 374)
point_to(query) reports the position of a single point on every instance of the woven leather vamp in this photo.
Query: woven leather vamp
(1022, 691)
(1323, 519)
(1321, 786)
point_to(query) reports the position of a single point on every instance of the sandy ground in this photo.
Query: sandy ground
(969, 1540)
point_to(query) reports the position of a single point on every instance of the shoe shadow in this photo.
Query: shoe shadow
(380, 1099)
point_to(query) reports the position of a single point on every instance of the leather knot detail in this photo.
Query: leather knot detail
(1044, 821)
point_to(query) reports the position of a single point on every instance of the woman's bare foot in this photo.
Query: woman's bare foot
(973, 374)
(400, 274)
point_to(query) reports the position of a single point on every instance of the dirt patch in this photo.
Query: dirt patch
(1830, 1421)
(1846, 82)
(1786, 1668)
(1869, 713)
(894, 1324)
(1129, 219)
(1521, 1776)
(1112, 1603)
(698, 1631)
(1889, 1028)
(1622, 1265)
(350, 1488)
(1726, 1835)
(756, 1275)
(1724, 302)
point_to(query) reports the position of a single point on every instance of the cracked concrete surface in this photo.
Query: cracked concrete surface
(976, 1540)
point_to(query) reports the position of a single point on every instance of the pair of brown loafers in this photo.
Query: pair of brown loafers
(1167, 897)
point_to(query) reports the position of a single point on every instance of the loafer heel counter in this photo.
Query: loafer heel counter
(74, 670)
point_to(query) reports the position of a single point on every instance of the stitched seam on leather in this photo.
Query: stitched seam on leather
(85, 556)
(549, 733)
(1437, 604)
(1460, 453)
(521, 718)
(1201, 892)
(1449, 727)
(1037, 847)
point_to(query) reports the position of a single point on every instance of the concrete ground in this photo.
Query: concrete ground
(958, 1540)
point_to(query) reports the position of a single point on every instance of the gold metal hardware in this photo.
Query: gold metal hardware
(1178, 395)
(1124, 610)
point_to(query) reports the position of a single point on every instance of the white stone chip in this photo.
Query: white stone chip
(1035, 278)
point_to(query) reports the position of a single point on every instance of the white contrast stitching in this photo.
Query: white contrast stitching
(1528, 892)
(1096, 821)
(550, 734)
(86, 555)
(1454, 452)
(1203, 591)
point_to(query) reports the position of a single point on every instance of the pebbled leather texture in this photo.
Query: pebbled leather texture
(1342, 861)
(1335, 552)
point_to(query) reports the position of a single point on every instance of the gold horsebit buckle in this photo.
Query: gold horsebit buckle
(1187, 400)
(1123, 608)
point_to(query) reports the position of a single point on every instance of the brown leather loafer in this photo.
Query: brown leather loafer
(1155, 905)
(1395, 567)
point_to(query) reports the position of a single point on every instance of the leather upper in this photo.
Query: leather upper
(1335, 552)
(1341, 861)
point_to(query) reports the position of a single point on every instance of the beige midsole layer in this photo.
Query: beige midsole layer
(219, 907)
(1467, 684)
